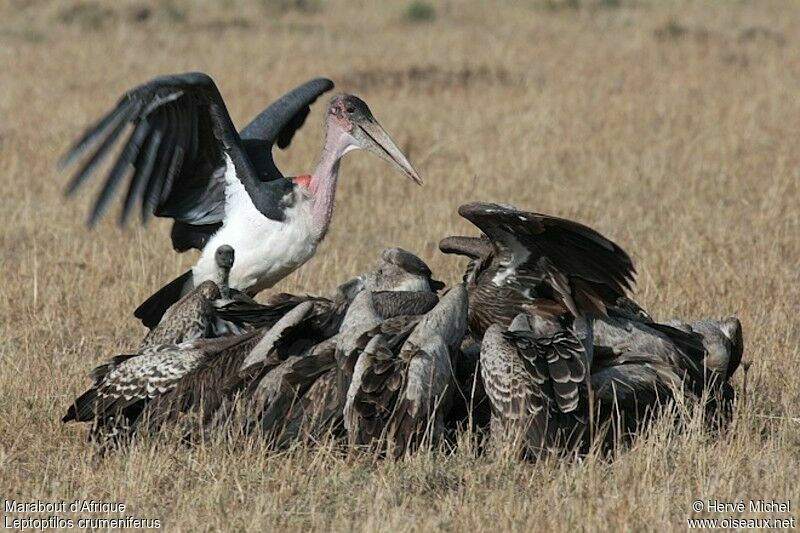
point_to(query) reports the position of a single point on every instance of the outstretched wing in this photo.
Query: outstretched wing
(130, 379)
(145, 377)
(173, 159)
(293, 378)
(278, 123)
(532, 248)
(372, 395)
(203, 389)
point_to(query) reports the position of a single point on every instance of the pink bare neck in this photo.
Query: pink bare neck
(324, 178)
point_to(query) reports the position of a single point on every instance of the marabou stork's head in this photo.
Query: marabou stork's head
(351, 121)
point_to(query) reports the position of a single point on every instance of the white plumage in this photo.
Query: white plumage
(266, 250)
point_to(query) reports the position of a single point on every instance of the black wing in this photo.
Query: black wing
(173, 157)
(278, 123)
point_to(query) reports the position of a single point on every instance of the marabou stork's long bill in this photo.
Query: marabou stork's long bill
(184, 159)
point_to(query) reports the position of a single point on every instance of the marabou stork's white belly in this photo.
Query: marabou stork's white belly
(266, 251)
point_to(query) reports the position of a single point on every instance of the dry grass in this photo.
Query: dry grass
(673, 128)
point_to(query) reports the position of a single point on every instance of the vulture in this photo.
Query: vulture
(403, 381)
(539, 265)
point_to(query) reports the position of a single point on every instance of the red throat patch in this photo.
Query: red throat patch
(305, 181)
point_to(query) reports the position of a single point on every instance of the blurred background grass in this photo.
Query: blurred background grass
(672, 127)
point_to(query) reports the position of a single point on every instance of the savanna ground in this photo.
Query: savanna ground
(671, 127)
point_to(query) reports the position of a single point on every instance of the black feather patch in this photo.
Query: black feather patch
(188, 236)
(152, 309)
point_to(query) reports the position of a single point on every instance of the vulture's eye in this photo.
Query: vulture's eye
(350, 109)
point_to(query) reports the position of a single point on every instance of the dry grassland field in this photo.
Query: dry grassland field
(671, 127)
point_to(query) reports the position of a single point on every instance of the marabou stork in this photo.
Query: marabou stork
(185, 160)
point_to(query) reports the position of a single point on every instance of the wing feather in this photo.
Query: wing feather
(531, 248)
(143, 167)
(181, 133)
(278, 123)
(171, 148)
